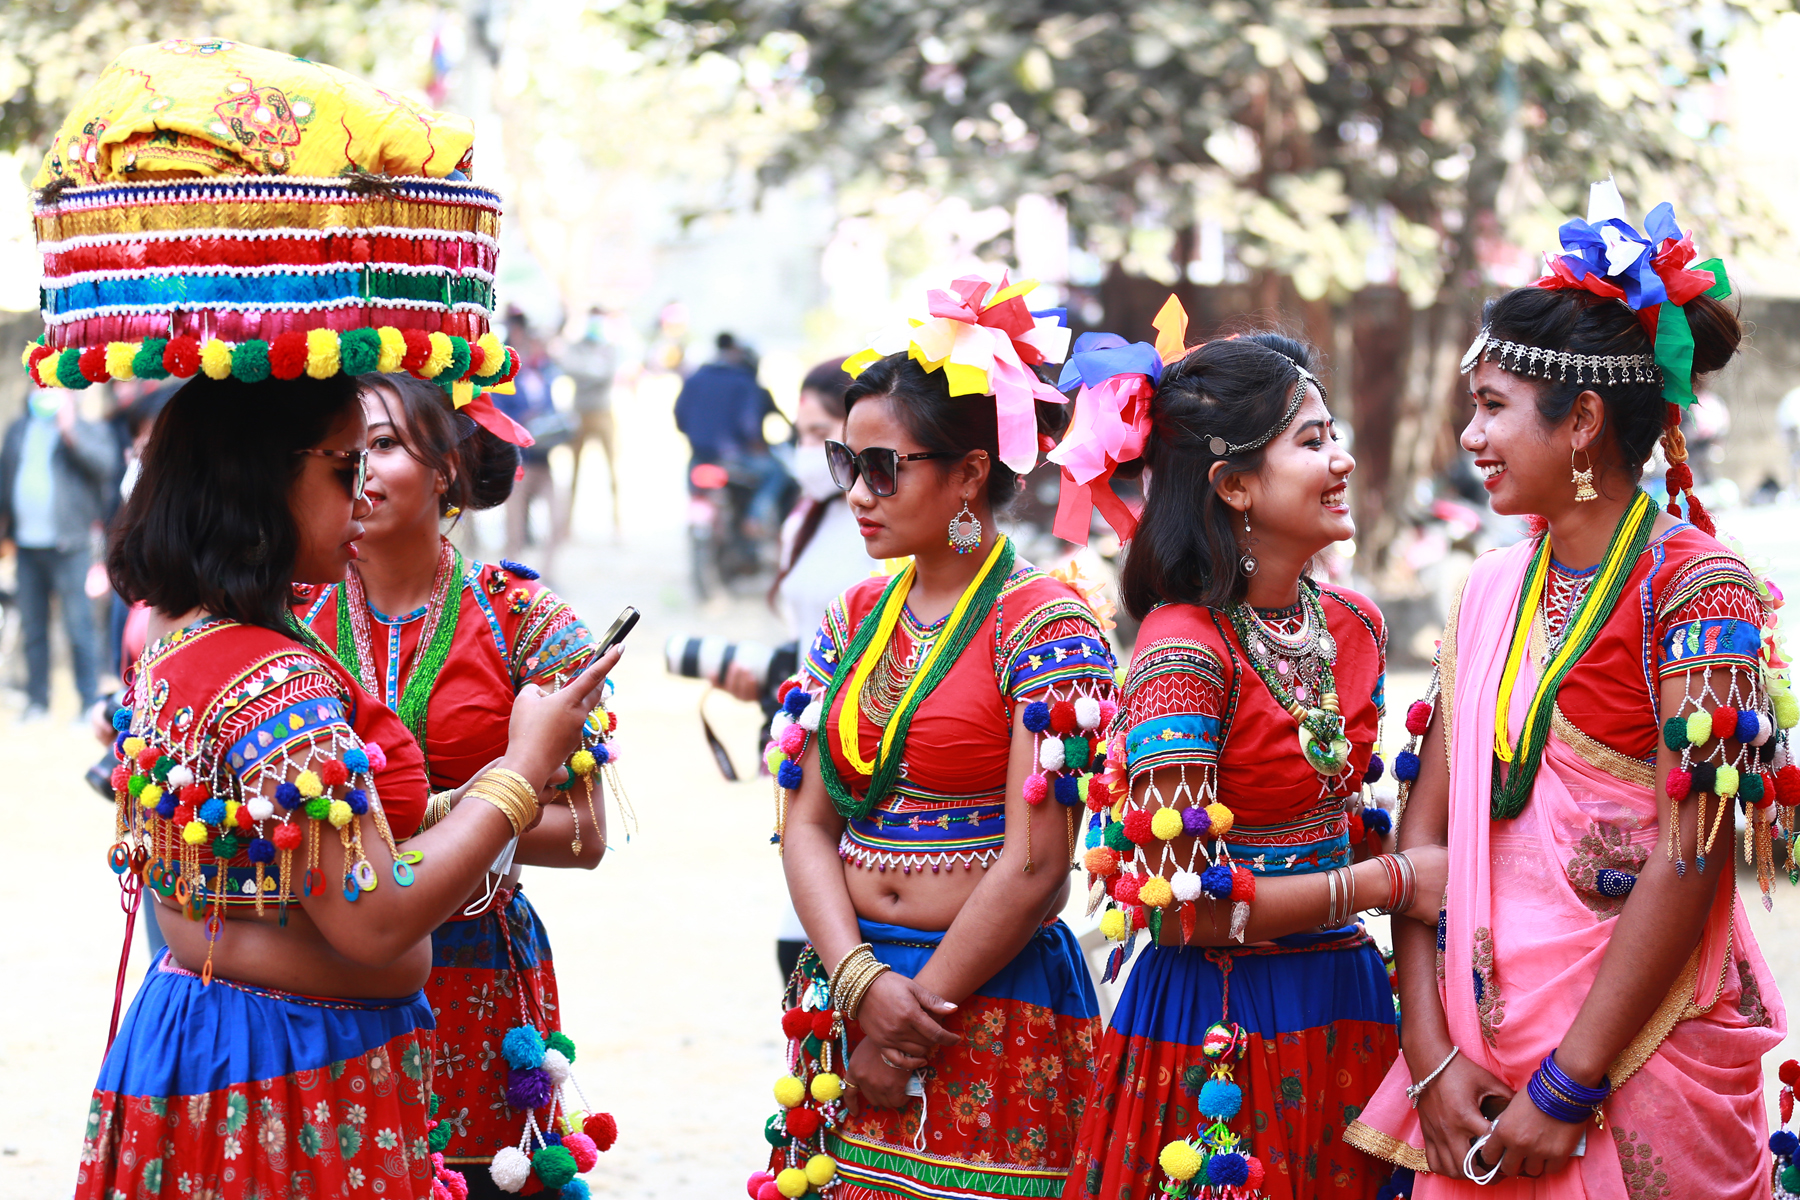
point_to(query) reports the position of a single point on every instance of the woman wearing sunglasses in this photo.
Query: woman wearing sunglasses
(262, 794)
(438, 664)
(920, 851)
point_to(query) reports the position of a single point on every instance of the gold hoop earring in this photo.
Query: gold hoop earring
(1583, 480)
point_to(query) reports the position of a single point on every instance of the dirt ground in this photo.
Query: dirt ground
(665, 953)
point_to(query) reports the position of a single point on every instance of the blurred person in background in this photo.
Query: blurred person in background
(930, 895)
(822, 556)
(1590, 1016)
(437, 664)
(57, 473)
(720, 411)
(592, 362)
(533, 406)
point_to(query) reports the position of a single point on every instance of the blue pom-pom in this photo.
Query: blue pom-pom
(1377, 821)
(1068, 790)
(260, 850)
(796, 702)
(1406, 766)
(1216, 881)
(1783, 1144)
(358, 800)
(1746, 725)
(575, 1189)
(1230, 1169)
(119, 746)
(522, 1048)
(789, 774)
(601, 754)
(552, 1138)
(356, 760)
(1220, 1099)
(518, 568)
(1036, 716)
(288, 796)
(1615, 883)
(122, 719)
(1376, 769)
(1093, 836)
(213, 811)
(165, 808)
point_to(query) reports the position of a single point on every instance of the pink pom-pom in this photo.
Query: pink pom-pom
(1108, 710)
(793, 741)
(440, 1191)
(1418, 717)
(457, 1183)
(377, 757)
(1254, 1176)
(755, 1184)
(1126, 887)
(1037, 788)
(769, 1191)
(583, 1148)
(1679, 783)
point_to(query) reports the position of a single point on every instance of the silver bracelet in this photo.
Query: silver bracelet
(1418, 1089)
(1331, 900)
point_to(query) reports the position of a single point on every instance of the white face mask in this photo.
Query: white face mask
(813, 473)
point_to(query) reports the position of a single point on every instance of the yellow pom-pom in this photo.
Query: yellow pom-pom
(1112, 925)
(1787, 709)
(1727, 781)
(582, 763)
(439, 358)
(493, 351)
(826, 1087)
(340, 814)
(774, 758)
(149, 796)
(1699, 728)
(789, 1092)
(133, 746)
(572, 1122)
(321, 353)
(821, 1169)
(1221, 818)
(309, 784)
(1179, 1161)
(194, 832)
(791, 1183)
(1156, 892)
(25, 355)
(215, 359)
(118, 359)
(1166, 824)
(231, 811)
(605, 719)
(393, 349)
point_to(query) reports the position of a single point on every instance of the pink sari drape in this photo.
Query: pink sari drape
(1523, 947)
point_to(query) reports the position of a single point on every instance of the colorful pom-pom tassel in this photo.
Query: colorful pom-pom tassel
(1036, 789)
(1036, 717)
(1675, 734)
(1406, 766)
(1167, 824)
(1418, 717)
(1678, 784)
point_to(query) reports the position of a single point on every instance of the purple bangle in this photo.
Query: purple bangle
(1557, 1079)
(1554, 1106)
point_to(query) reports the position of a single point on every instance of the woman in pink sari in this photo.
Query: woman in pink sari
(1594, 985)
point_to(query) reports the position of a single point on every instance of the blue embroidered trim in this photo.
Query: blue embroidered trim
(291, 724)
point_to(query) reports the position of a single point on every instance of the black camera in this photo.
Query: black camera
(709, 658)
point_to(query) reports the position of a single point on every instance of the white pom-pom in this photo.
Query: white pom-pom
(1765, 729)
(809, 719)
(555, 1065)
(1185, 885)
(1050, 754)
(779, 725)
(510, 1169)
(180, 777)
(1087, 712)
(261, 808)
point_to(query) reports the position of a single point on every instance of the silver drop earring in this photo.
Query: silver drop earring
(965, 530)
(1247, 564)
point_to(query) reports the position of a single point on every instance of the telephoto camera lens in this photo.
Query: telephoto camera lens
(709, 658)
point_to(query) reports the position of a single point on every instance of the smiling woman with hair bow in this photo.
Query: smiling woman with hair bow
(932, 757)
(1591, 1017)
(1230, 820)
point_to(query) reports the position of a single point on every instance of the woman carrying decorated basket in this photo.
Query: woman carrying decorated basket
(1231, 821)
(466, 638)
(931, 763)
(1591, 1019)
(282, 1042)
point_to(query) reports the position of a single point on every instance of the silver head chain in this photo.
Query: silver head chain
(1220, 448)
(1560, 366)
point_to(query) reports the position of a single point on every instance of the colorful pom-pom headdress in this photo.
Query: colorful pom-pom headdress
(213, 208)
(986, 345)
(1648, 273)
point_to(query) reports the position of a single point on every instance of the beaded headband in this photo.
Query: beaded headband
(213, 208)
(1560, 366)
(1220, 448)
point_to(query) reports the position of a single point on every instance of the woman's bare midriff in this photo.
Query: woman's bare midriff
(926, 900)
(292, 958)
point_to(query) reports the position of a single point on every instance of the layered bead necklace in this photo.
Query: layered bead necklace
(1294, 655)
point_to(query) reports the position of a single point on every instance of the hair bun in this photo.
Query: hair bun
(1717, 333)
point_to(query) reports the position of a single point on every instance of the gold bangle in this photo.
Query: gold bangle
(436, 809)
(853, 1003)
(511, 793)
(852, 964)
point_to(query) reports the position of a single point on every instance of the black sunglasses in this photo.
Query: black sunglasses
(879, 465)
(355, 479)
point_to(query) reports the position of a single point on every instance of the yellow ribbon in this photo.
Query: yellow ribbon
(849, 740)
